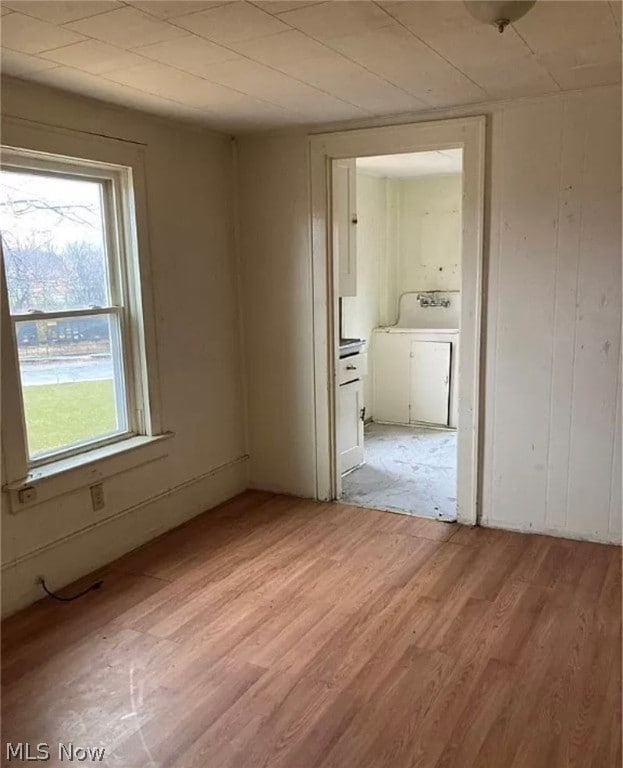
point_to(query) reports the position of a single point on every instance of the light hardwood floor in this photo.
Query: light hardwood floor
(286, 633)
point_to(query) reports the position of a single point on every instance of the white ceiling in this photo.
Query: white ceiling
(249, 65)
(413, 164)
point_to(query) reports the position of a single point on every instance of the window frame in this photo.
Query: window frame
(26, 145)
(112, 182)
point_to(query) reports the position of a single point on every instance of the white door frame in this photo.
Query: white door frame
(468, 134)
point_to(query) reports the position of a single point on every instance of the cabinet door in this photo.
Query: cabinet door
(350, 425)
(345, 225)
(391, 392)
(430, 382)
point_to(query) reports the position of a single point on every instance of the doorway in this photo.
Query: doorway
(342, 368)
(399, 303)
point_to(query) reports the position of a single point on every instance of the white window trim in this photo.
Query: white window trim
(87, 151)
(123, 306)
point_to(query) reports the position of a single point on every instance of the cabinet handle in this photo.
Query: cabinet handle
(351, 367)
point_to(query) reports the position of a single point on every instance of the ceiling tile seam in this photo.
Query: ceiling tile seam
(328, 45)
(523, 40)
(168, 20)
(285, 73)
(267, 66)
(355, 64)
(535, 57)
(118, 104)
(179, 69)
(225, 87)
(123, 86)
(278, 14)
(558, 85)
(37, 56)
(24, 12)
(482, 88)
(430, 48)
(58, 26)
(330, 48)
(248, 58)
(166, 118)
(103, 75)
(95, 40)
(164, 99)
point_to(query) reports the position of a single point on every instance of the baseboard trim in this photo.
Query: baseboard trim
(76, 554)
(558, 533)
(127, 511)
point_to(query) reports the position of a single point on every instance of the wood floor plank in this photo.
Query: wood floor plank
(285, 633)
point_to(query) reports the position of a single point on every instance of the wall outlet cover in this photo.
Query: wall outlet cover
(27, 495)
(97, 497)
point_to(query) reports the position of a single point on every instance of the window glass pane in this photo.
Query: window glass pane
(72, 381)
(53, 242)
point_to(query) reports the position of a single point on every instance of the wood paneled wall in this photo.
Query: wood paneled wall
(552, 329)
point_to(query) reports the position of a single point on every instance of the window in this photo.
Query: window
(72, 291)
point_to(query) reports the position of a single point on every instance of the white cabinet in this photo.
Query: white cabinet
(345, 225)
(352, 367)
(391, 377)
(429, 396)
(350, 425)
(415, 377)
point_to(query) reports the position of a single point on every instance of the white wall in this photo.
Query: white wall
(188, 179)
(429, 252)
(408, 239)
(554, 318)
(553, 312)
(277, 312)
(361, 313)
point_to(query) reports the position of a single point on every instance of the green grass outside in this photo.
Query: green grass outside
(60, 414)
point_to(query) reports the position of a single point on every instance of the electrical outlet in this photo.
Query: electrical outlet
(27, 495)
(97, 497)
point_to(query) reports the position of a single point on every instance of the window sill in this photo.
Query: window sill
(67, 475)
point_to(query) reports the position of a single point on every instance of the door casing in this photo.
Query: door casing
(468, 134)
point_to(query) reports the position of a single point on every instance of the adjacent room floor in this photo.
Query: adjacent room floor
(407, 469)
(294, 634)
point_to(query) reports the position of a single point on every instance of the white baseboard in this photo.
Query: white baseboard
(543, 530)
(67, 559)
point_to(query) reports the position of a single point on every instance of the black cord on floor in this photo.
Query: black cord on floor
(94, 586)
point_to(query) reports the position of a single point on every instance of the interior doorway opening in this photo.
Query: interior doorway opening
(328, 152)
(396, 225)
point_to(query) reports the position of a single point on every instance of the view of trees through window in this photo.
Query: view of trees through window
(56, 268)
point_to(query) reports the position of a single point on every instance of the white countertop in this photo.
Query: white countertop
(396, 329)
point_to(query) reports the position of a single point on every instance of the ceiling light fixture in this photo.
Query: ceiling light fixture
(500, 14)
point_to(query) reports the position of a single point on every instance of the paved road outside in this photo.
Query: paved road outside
(64, 371)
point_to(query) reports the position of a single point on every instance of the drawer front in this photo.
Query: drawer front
(352, 368)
